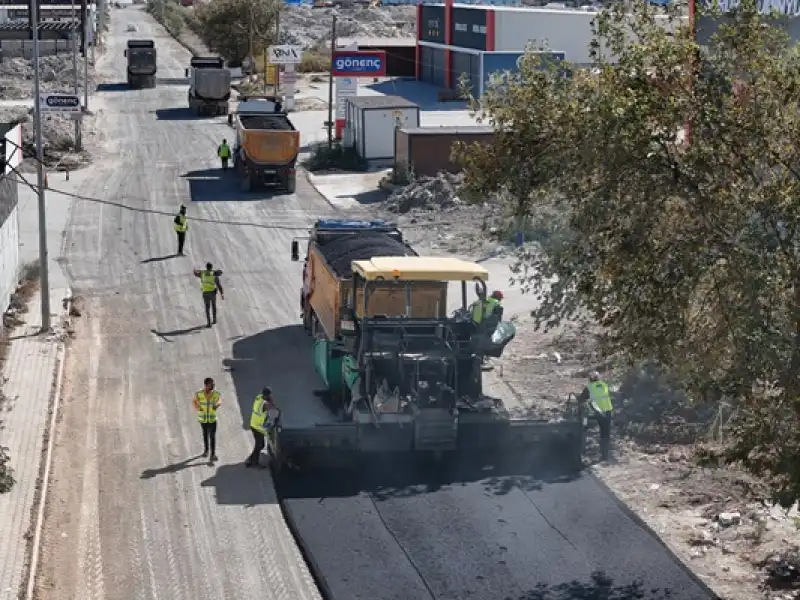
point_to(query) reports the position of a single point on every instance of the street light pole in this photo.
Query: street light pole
(37, 110)
(330, 86)
(74, 37)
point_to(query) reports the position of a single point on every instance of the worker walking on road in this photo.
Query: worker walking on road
(262, 419)
(210, 284)
(181, 227)
(224, 153)
(206, 402)
(598, 398)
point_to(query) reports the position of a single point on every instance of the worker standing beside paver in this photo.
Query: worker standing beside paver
(206, 402)
(209, 285)
(598, 397)
(261, 419)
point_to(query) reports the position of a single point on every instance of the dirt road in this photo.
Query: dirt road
(135, 513)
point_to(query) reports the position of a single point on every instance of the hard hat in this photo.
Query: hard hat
(594, 376)
(183, 207)
(497, 294)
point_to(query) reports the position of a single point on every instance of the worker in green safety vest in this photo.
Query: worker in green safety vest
(597, 398)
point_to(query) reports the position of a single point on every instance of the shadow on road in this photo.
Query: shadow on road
(390, 476)
(216, 185)
(165, 335)
(158, 258)
(368, 197)
(194, 461)
(279, 358)
(177, 113)
(601, 587)
(235, 484)
(112, 87)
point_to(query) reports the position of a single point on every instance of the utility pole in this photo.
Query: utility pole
(74, 37)
(85, 21)
(330, 86)
(277, 42)
(37, 107)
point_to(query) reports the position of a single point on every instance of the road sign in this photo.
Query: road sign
(285, 55)
(346, 87)
(290, 76)
(359, 63)
(59, 103)
(272, 74)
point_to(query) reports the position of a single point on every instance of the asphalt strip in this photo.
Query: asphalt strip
(403, 531)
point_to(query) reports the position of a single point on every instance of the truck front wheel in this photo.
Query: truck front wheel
(291, 183)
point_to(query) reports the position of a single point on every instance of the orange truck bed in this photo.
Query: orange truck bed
(329, 294)
(269, 139)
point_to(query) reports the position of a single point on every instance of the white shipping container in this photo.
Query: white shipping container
(373, 120)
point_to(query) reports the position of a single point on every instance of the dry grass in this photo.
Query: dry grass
(315, 61)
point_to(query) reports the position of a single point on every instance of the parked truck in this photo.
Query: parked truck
(141, 55)
(267, 145)
(209, 85)
(401, 368)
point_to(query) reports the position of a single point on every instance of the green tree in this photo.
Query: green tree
(687, 254)
(228, 26)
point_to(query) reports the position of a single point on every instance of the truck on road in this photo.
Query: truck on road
(402, 371)
(209, 85)
(266, 146)
(141, 55)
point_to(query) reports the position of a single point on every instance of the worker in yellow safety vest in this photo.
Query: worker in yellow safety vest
(206, 402)
(483, 307)
(210, 285)
(597, 397)
(181, 227)
(262, 418)
(224, 153)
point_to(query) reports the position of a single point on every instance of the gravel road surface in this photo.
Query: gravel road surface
(136, 514)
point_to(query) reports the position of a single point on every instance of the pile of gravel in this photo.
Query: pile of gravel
(57, 139)
(308, 26)
(56, 75)
(427, 193)
(340, 253)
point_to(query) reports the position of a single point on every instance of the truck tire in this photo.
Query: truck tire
(291, 183)
(247, 183)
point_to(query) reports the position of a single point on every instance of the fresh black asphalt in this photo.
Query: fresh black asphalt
(398, 531)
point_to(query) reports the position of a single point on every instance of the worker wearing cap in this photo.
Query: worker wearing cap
(210, 285)
(206, 402)
(181, 227)
(484, 307)
(598, 399)
(262, 418)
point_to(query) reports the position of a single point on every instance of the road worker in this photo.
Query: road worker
(224, 153)
(484, 307)
(181, 227)
(262, 418)
(206, 402)
(210, 285)
(597, 397)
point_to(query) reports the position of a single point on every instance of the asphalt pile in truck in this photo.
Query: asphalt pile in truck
(341, 253)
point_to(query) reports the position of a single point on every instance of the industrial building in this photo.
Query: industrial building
(474, 41)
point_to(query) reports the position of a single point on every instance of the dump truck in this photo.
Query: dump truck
(209, 85)
(266, 146)
(141, 55)
(400, 367)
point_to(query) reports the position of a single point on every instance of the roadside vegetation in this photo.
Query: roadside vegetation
(677, 173)
(12, 318)
(337, 158)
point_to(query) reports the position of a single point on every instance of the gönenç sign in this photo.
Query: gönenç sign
(61, 103)
(359, 63)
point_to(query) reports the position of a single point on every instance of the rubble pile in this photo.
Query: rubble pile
(427, 193)
(56, 75)
(308, 26)
(57, 139)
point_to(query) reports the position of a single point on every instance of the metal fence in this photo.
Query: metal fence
(24, 48)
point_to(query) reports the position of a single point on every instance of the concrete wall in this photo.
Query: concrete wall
(16, 48)
(568, 31)
(9, 220)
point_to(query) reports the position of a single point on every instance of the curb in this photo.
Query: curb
(44, 477)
